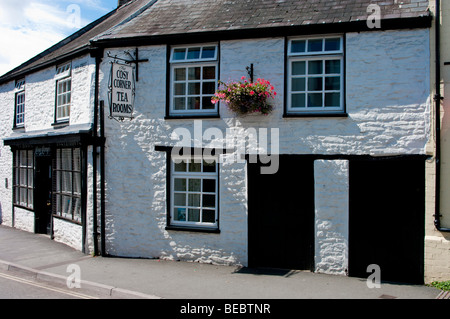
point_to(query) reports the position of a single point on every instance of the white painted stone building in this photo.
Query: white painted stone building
(348, 138)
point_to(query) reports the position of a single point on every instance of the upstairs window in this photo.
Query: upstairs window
(193, 80)
(315, 78)
(63, 92)
(19, 118)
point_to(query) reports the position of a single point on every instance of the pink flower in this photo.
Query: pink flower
(275, 93)
(252, 92)
(243, 78)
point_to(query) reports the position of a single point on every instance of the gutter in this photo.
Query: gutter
(99, 137)
(437, 99)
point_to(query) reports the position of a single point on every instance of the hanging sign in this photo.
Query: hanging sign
(122, 91)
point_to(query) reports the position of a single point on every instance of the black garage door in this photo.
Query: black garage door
(281, 215)
(387, 205)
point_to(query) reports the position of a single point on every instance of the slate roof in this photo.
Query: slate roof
(148, 19)
(168, 17)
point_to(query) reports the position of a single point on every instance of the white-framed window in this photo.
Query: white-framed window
(193, 80)
(63, 92)
(315, 78)
(194, 192)
(19, 119)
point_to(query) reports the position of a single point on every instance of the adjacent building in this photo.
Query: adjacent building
(115, 147)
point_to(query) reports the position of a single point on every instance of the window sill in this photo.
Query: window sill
(190, 117)
(294, 115)
(67, 219)
(194, 229)
(23, 207)
(18, 128)
(60, 123)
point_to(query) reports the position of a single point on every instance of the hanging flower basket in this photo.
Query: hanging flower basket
(245, 97)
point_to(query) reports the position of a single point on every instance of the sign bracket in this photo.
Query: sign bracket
(134, 60)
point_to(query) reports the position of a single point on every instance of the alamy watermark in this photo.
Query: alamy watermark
(260, 144)
(73, 19)
(374, 279)
(74, 279)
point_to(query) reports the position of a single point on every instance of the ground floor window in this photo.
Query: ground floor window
(194, 192)
(23, 178)
(67, 184)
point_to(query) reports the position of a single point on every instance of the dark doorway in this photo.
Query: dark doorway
(43, 195)
(281, 215)
(387, 205)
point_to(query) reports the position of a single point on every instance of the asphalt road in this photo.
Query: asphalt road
(20, 287)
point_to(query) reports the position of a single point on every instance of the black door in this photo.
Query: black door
(281, 215)
(43, 195)
(387, 205)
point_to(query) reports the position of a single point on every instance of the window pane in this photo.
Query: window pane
(194, 185)
(333, 83)
(194, 88)
(315, 67)
(333, 67)
(179, 54)
(298, 46)
(180, 199)
(180, 167)
(209, 186)
(180, 88)
(315, 84)
(194, 200)
(77, 209)
(208, 52)
(77, 159)
(194, 73)
(298, 68)
(315, 100)
(193, 103)
(194, 215)
(194, 166)
(209, 88)
(193, 53)
(315, 45)
(209, 73)
(209, 166)
(209, 216)
(298, 100)
(179, 214)
(333, 44)
(207, 104)
(298, 84)
(180, 74)
(180, 184)
(209, 201)
(180, 103)
(333, 99)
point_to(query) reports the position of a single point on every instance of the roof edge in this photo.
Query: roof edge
(419, 22)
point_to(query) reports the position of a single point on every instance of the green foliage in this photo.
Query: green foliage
(443, 285)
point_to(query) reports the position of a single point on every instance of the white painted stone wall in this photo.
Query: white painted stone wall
(331, 216)
(388, 106)
(39, 115)
(6, 120)
(67, 233)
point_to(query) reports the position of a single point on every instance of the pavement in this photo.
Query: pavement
(44, 260)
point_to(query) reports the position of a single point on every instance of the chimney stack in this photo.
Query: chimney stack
(122, 2)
